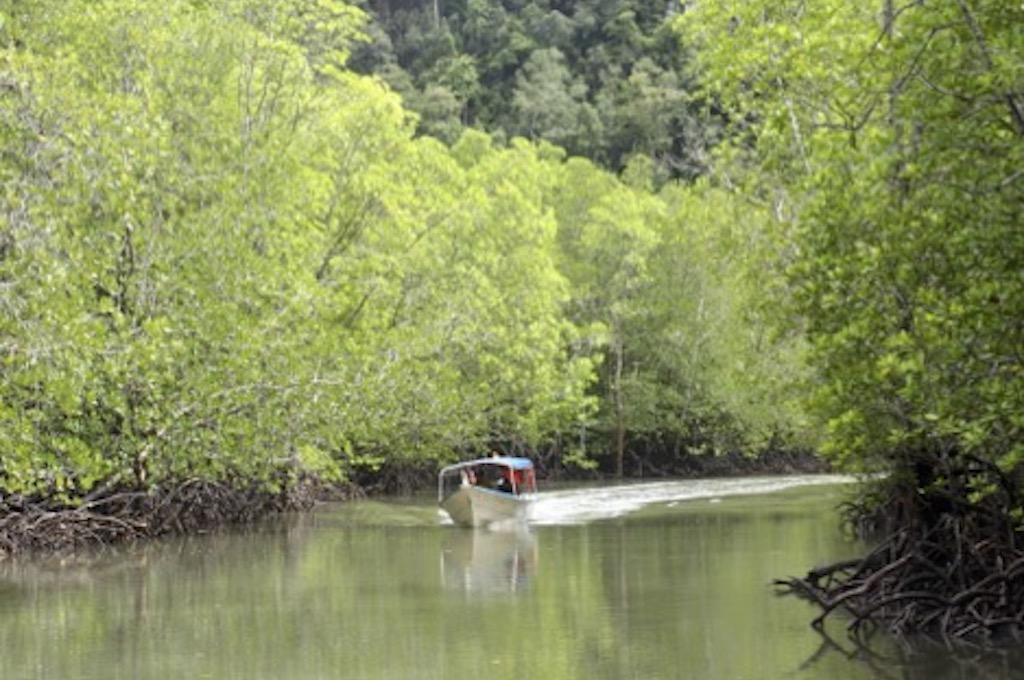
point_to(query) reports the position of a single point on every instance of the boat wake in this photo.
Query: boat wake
(578, 506)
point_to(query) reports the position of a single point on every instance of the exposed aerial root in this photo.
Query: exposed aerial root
(947, 567)
(115, 517)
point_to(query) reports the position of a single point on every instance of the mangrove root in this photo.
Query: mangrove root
(118, 516)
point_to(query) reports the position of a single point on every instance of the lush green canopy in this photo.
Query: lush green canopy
(891, 140)
(224, 255)
(888, 138)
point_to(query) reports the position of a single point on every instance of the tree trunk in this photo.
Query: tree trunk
(619, 405)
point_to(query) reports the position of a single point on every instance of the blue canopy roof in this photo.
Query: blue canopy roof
(514, 462)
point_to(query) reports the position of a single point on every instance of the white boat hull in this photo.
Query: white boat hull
(475, 506)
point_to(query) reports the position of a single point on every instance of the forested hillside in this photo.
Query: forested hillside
(603, 79)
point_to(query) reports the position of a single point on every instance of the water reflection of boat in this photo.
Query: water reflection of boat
(487, 490)
(488, 562)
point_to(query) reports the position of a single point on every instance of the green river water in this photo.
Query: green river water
(656, 580)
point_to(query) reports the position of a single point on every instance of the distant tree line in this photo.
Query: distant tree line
(603, 79)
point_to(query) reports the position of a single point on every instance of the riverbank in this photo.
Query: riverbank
(112, 516)
(116, 516)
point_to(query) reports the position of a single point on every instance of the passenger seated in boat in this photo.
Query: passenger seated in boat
(505, 483)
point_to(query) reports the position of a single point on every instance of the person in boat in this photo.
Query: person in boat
(505, 482)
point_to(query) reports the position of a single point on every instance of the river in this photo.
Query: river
(648, 580)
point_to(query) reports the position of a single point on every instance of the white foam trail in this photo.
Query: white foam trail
(577, 506)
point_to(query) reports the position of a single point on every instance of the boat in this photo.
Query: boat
(487, 491)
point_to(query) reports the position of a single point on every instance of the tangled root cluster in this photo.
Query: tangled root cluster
(189, 507)
(950, 565)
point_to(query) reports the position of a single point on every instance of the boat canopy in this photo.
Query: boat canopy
(513, 462)
(504, 474)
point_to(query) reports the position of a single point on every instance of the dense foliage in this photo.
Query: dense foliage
(225, 256)
(891, 139)
(603, 79)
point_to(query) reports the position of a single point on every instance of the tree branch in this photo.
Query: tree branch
(1016, 107)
